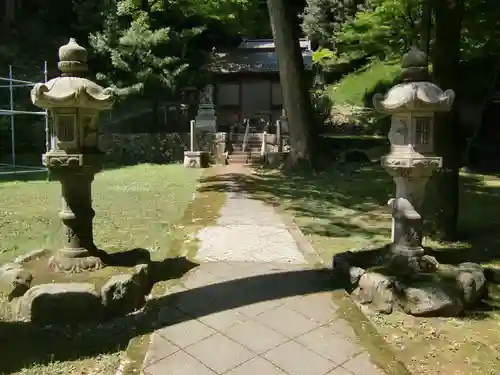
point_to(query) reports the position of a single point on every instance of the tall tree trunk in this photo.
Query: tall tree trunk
(295, 90)
(426, 26)
(9, 14)
(484, 104)
(448, 135)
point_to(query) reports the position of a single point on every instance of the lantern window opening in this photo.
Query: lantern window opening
(66, 127)
(422, 130)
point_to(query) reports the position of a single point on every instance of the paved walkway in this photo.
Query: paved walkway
(253, 306)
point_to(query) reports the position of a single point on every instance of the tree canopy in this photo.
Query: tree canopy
(380, 29)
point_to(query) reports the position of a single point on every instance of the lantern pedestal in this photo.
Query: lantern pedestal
(406, 250)
(79, 252)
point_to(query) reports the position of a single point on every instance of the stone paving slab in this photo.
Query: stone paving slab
(245, 318)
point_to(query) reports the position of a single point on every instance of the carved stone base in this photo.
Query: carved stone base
(405, 259)
(195, 159)
(444, 290)
(74, 261)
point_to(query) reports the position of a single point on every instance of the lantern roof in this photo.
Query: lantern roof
(416, 93)
(71, 89)
(414, 97)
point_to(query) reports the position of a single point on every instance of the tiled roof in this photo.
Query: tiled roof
(256, 55)
(305, 44)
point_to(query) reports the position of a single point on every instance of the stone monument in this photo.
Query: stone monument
(74, 103)
(206, 120)
(411, 162)
(202, 131)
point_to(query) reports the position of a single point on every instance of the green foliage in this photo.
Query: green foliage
(145, 56)
(356, 30)
(354, 88)
(481, 29)
(233, 14)
(321, 102)
(321, 55)
(380, 29)
(323, 18)
(386, 28)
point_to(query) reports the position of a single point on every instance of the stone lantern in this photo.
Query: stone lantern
(74, 103)
(412, 105)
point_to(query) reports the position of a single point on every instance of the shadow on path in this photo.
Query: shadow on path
(25, 345)
(362, 191)
(317, 199)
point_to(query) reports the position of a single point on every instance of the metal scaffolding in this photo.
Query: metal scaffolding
(12, 112)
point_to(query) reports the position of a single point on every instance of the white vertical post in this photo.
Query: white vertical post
(191, 131)
(12, 134)
(245, 136)
(278, 135)
(263, 144)
(393, 228)
(390, 203)
(47, 134)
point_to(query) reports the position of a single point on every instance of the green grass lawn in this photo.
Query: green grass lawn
(344, 208)
(144, 206)
(135, 207)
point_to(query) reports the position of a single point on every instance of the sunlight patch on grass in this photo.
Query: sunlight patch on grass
(105, 364)
(136, 206)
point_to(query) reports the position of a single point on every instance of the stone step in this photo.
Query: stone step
(254, 144)
(252, 154)
(243, 158)
(255, 139)
(249, 141)
(249, 149)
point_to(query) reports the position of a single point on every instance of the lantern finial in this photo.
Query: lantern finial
(414, 65)
(72, 59)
